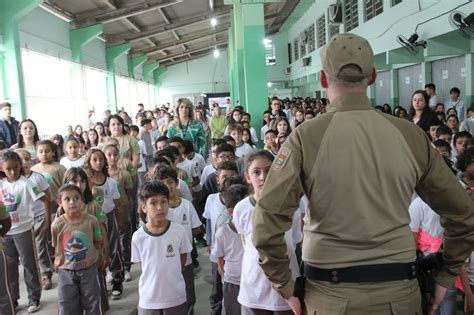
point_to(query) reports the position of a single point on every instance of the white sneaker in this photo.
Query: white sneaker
(109, 277)
(128, 276)
(33, 307)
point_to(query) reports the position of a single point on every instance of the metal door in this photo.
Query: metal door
(449, 73)
(382, 88)
(409, 80)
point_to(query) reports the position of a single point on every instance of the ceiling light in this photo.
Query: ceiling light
(216, 53)
(267, 41)
(269, 84)
(213, 22)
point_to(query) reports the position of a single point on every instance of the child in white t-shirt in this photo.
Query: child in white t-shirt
(241, 149)
(183, 163)
(256, 292)
(229, 250)
(181, 211)
(213, 209)
(72, 158)
(161, 247)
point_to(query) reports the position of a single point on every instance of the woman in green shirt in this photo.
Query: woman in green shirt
(218, 123)
(185, 127)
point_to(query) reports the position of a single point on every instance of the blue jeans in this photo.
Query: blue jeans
(448, 305)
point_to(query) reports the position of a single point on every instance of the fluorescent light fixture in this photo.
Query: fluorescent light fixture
(267, 41)
(213, 22)
(216, 53)
(269, 84)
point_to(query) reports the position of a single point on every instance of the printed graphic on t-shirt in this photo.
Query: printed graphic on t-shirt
(185, 219)
(170, 251)
(75, 245)
(36, 190)
(12, 202)
(3, 212)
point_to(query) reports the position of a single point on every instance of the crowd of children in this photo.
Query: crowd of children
(91, 203)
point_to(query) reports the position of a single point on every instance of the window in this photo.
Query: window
(372, 8)
(351, 15)
(321, 31)
(269, 53)
(290, 51)
(296, 49)
(395, 2)
(303, 40)
(333, 29)
(311, 38)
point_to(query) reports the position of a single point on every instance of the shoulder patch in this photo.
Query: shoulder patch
(281, 158)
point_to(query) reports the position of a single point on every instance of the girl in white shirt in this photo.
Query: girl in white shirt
(256, 292)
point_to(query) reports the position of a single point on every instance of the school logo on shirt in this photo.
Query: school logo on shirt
(170, 251)
(281, 158)
(184, 218)
(36, 190)
(75, 246)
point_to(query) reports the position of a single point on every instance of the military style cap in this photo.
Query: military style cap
(345, 49)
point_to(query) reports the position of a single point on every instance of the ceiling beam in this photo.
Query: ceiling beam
(282, 15)
(192, 50)
(184, 40)
(193, 57)
(177, 25)
(121, 13)
(167, 20)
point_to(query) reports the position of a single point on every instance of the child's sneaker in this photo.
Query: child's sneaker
(33, 306)
(128, 276)
(117, 291)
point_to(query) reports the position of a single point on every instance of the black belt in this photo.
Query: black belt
(366, 273)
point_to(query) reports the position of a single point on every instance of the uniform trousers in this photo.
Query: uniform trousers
(216, 292)
(104, 295)
(42, 247)
(255, 311)
(231, 292)
(116, 260)
(175, 310)
(188, 275)
(381, 298)
(125, 245)
(77, 292)
(6, 303)
(22, 246)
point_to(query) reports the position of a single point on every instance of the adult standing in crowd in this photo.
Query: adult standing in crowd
(129, 148)
(420, 113)
(357, 236)
(186, 127)
(8, 125)
(456, 102)
(430, 89)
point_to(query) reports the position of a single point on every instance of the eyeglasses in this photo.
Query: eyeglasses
(226, 156)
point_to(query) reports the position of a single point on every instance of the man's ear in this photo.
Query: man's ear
(323, 79)
(373, 76)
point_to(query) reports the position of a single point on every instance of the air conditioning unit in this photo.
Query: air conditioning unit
(306, 61)
(287, 70)
(335, 13)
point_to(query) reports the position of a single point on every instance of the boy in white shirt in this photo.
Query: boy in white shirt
(241, 149)
(161, 246)
(183, 163)
(229, 250)
(181, 211)
(213, 209)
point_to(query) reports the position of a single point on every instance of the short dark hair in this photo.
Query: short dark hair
(5, 104)
(145, 122)
(443, 130)
(224, 147)
(430, 86)
(228, 138)
(53, 147)
(461, 134)
(161, 173)
(167, 153)
(465, 159)
(257, 154)
(174, 151)
(227, 166)
(436, 122)
(176, 139)
(188, 147)
(234, 180)
(271, 131)
(161, 160)
(152, 189)
(217, 142)
(234, 194)
(161, 138)
(134, 128)
(69, 187)
(455, 90)
(442, 144)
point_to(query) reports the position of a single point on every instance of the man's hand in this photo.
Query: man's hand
(295, 305)
(439, 293)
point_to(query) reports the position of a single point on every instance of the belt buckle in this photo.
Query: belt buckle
(334, 276)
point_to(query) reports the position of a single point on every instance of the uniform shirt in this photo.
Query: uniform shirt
(74, 242)
(243, 150)
(229, 245)
(92, 208)
(458, 106)
(18, 197)
(38, 180)
(256, 290)
(128, 146)
(208, 170)
(359, 190)
(185, 215)
(184, 190)
(142, 167)
(54, 174)
(213, 209)
(199, 163)
(68, 163)
(161, 283)
(3, 216)
(425, 222)
(110, 193)
(124, 183)
(189, 167)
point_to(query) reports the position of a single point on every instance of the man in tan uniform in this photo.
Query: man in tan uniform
(359, 169)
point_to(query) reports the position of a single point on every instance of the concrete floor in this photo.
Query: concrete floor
(129, 301)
